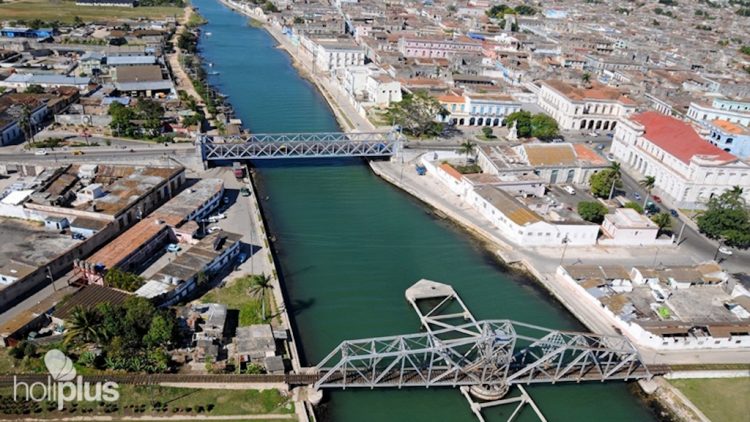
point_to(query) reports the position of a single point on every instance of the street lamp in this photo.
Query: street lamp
(565, 242)
(718, 249)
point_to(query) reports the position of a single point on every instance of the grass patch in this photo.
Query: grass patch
(236, 296)
(66, 10)
(469, 169)
(721, 399)
(162, 401)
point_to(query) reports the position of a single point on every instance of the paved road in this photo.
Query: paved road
(691, 242)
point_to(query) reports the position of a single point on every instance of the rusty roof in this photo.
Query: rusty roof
(119, 249)
(550, 154)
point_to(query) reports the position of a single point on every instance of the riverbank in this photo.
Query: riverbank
(346, 116)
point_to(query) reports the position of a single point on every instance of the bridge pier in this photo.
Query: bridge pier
(489, 392)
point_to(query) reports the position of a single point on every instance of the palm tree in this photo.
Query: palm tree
(82, 325)
(467, 148)
(615, 169)
(647, 183)
(259, 288)
(737, 190)
(24, 120)
(586, 78)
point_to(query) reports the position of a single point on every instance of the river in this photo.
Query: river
(349, 244)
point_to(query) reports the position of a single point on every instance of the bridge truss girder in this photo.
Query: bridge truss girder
(303, 145)
(495, 356)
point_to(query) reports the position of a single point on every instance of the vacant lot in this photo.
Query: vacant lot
(236, 295)
(64, 11)
(721, 399)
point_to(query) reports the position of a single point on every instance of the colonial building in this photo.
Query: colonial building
(438, 47)
(478, 109)
(734, 111)
(688, 169)
(730, 137)
(595, 108)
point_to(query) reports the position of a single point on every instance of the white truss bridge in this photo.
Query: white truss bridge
(301, 145)
(485, 358)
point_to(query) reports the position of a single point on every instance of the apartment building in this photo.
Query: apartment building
(438, 47)
(734, 111)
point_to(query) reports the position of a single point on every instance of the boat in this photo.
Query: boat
(208, 34)
(213, 73)
(210, 64)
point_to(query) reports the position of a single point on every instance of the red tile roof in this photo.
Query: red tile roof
(678, 138)
(451, 171)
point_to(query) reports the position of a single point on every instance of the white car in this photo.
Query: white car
(40, 152)
(725, 250)
(220, 216)
(213, 229)
(569, 190)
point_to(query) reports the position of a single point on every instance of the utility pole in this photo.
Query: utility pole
(565, 242)
(51, 279)
(679, 236)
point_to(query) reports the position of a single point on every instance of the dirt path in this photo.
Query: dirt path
(179, 75)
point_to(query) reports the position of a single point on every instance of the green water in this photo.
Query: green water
(350, 244)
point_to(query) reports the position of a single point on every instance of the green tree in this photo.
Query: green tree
(82, 325)
(487, 132)
(467, 148)
(636, 206)
(499, 10)
(160, 333)
(34, 89)
(525, 10)
(663, 220)
(416, 114)
(544, 126)
(259, 289)
(745, 49)
(592, 211)
(647, 183)
(586, 78)
(122, 119)
(123, 280)
(601, 182)
(77, 21)
(727, 218)
(522, 119)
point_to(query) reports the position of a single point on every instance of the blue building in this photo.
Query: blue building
(730, 137)
(41, 33)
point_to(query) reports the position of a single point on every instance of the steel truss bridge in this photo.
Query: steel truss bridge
(484, 357)
(301, 145)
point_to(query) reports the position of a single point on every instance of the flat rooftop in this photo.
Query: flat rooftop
(25, 246)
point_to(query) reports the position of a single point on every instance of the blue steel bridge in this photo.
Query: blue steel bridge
(300, 145)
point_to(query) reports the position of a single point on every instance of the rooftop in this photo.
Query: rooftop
(88, 297)
(514, 210)
(729, 127)
(678, 138)
(595, 92)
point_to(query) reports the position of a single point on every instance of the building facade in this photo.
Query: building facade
(688, 169)
(438, 48)
(730, 137)
(478, 109)
(733, 111)
(596, 108)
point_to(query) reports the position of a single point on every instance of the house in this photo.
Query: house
(627, 227)
(18, 32)
(56, 223)
(11, 110)
(475, 109)
(688, 169)
(254, 343)
(21, 81)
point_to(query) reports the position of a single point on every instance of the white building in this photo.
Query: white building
(688, 169)
(596, 108)
(627, 227)
(734, 111)
(525, 227)
(330, 55)
(21, 81)
(371, 86)
(472, 109)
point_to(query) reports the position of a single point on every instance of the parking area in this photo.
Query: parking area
(558, 193)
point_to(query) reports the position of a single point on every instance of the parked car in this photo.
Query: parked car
(245, 191)
(610, 157)
(657, 199)
(242, 258)
(173, 247)
(674, 213)
(213, 229)
(593, 134)
(220, 216)
(725, 250)
(78, 152)
(569, 190)
(41, 152)
(637, 196)
(600, 147)
(78, 236)
(226, 199)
